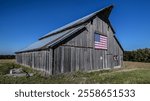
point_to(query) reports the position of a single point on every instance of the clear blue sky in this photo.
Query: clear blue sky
(22, 22)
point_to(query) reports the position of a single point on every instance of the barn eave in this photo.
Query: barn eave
(118, 43)
(53, 41)
(57, 36)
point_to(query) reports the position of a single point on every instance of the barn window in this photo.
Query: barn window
(100, 41)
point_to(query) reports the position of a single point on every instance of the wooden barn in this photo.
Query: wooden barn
(86, 44)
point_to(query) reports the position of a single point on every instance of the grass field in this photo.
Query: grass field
(131, 73)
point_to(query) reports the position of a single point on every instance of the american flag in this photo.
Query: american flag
(100, 41)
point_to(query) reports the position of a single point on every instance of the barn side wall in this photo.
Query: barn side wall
(79, 54)
(39, 60)
(69, 59)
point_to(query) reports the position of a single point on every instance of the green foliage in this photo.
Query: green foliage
(5, 68)
(140, 55)
(7, 56)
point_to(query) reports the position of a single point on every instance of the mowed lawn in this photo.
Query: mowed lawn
(131, 73)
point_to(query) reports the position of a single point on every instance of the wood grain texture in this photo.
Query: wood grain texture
(40, 60)
(77, 53)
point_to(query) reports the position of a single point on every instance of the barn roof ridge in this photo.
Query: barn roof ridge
(51, 39)
(81, 21)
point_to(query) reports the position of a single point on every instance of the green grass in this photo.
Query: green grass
(131, 73)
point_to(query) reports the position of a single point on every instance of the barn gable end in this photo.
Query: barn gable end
(71, 47)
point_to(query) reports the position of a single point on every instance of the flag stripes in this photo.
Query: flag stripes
(100, 41)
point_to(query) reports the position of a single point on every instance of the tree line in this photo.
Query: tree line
(7, 56)
(139, 55)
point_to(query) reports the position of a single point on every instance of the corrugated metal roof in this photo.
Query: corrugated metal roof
(51, 40)
(68, 25)
(67, 35)
(61, 33)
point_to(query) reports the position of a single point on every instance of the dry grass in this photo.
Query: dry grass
(132, 72)
(7, 61)
(135, 65)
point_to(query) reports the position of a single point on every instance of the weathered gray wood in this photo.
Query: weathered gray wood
(78, 53)
(36, 60)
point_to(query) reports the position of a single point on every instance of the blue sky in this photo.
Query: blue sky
(22, 22)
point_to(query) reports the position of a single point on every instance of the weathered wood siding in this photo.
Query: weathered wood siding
(113, 47)
(79, 54)
(69, 59)
(40, 60)
(113, 50)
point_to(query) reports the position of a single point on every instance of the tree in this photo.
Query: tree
(139, 55)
